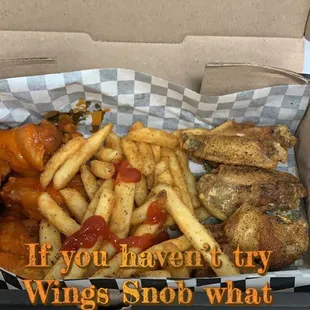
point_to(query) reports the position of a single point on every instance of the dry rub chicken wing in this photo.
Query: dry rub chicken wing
(254, 230)
(227, 187)
(239, 144)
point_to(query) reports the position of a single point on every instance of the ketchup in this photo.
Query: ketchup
(143, 242)
(96, 226)
(156, 213)
(160, 237)
(126, 173)
(87, 235)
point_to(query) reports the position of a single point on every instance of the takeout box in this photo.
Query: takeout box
(172, 41)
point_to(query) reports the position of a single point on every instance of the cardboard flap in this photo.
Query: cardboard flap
(158, 21)
(221, 79)
(179, 63)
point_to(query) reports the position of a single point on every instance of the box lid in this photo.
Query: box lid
(172, 39)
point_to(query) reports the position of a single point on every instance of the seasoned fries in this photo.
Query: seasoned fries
(148, 159)
(139, 185)
(102, 170)
(59, 158)
(156, 152)
(178, 179)
(114, 142)
(75, 202)
(106, 203)
(50, 234)
(188, 177)
(141, 192)
(72, 165)
(131, 152)
(56, 216)
(89, 181)
(109, 155)
(154, 136)
(91, 209)
(120, 220)
(200, 237)
(156, 274)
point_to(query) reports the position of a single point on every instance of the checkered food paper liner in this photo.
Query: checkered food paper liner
(133, 96)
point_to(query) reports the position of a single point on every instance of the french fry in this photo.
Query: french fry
(102, 170)
(133, 229)
(116, 261)
(113, 141)
(141, 192)
(140, 214)
(57, 160)
(201, 214)
(106, 203)
(91, 209)
(136, 125)
(156, 152)
(72, 165)
(200, 237)
(160, 168)
(195, 131)
(178, 191)
(188, 177)
(77, 272)
(181, 243)
(150, 181)
(89, 181)
(75, 202)
(180, 272)
(132, 153)
(147, 157)
(156, 274)
(120, 219)
(48, 233)
(154, 136)
(109, 155)
(145, 152)
(165, 178)
(110, 252)
(56, 215)
(55, 271)
(178, 179)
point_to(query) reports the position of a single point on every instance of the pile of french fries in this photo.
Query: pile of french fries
(165, 173)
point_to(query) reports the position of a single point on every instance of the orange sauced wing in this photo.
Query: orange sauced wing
(4, 170)
(17, 264)
(14, 235)
(26, 148)
(25, 192)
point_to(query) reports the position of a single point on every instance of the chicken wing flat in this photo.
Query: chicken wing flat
(224, 190)
(24, 193)
(27, 148)
(253, 230)
(239, 144)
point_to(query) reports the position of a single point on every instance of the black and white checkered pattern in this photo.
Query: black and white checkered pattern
(134, 96)
(289, 281)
